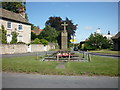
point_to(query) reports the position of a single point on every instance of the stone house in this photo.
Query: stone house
(16, 22)
(116, 41)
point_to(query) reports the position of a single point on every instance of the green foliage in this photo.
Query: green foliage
(32, 27)
(36, 41)
(71, 28)
(83, 46)
(3, 38)
(49, 33)
(14, 38)
(44, 42)
(88, 47)
(33, 36)
(14, 6)
(21, 43)
(56, 22)
(98, 41)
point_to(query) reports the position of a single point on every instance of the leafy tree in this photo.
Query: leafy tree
(32, 27)
(44, 42)
(14, 37)
(14, 6)
(3, 38)
(98, 41)
(33, 36)
(49, 33)
(56, 22)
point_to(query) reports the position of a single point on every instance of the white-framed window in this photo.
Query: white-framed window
(20, 27)
(20, 38)
(9, 25)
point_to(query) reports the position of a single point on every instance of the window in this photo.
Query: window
(20, 27)
(20, 38)
(9, 25)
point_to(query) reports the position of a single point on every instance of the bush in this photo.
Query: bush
(36, 41)
(87, 47)
(14, 38)
(44, 42)
(21, 43)
(3, 38)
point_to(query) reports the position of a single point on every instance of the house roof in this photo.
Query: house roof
(37, 30)
(117, 36)
(9, 15)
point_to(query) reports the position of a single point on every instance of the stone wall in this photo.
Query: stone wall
(23, 48)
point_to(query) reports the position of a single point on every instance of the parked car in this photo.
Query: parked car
(75, 48)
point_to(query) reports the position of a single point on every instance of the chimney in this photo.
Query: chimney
(108, 32)
(22, 12)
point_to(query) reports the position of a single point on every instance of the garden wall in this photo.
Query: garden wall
(23, 48)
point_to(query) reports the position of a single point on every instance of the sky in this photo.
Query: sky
(88, 15)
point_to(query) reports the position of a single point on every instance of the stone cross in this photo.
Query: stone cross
(64, 26)
(64, 38)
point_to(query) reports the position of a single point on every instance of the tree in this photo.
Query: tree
(33, 36)
(56, 22)
(71, 28)
(3, 38)
(32, 27)
(14, 37)
(14, 6)
(98, 41)
(49, 33)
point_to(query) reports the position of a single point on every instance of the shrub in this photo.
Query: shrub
(88, 47)
(3, 38)
(21, 43)
(36, 41)
(14, 38)
(44, 42)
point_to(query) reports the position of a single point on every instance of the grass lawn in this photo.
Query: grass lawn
(28, 64)
(105, 51)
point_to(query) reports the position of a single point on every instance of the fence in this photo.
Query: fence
(85, 55)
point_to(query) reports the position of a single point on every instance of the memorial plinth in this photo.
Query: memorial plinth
(64, 40)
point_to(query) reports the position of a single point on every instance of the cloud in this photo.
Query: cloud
(88, 28)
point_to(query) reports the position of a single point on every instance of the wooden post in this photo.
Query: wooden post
(69, 57)
(83, 54)
(89, 59)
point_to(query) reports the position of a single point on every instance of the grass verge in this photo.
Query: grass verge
(106, 52)
(28, 64)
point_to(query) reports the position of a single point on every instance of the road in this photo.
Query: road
(28, 54)
(15, 80)
(99, 54)
(51, 52)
